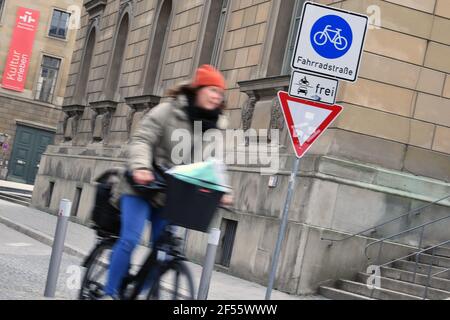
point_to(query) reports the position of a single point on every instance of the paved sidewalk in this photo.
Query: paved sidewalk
(80, 240)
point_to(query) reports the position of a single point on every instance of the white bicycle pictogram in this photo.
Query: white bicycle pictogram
(322, 37)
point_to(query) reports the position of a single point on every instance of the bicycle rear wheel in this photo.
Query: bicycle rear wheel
(94, 280)
(175, 283)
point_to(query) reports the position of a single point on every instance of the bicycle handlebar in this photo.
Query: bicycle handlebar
(155, 185)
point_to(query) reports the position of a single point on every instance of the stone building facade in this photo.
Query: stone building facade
(387, 153)
(29, 117)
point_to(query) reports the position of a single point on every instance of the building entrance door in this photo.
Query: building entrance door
(29, 144)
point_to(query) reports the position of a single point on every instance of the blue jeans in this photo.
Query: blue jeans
(135, 211)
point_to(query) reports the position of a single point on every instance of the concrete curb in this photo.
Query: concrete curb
(41, 237)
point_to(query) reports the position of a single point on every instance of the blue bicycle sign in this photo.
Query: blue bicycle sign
(339, 42)
(329, 42)
(331, 37)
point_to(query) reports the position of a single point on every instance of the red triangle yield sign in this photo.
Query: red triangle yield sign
(306, 120)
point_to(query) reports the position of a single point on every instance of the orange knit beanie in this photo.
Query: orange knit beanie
(206, 76)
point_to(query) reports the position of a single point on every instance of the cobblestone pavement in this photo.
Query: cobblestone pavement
(23, 268)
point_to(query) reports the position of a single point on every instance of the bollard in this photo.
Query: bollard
(208, 266)
(65, 207)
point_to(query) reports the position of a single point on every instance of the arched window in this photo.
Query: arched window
(214, 32)
(295, 23)
(2, 4)
(283, 36)
(161, 30)
(83, 78)
(115, 68)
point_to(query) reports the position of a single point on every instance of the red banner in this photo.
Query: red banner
(19, 55)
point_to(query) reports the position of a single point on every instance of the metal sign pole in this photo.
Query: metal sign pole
(283, 227)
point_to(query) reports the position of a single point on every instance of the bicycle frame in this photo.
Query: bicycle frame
(165, 255)
(337, 34)
(152, 264)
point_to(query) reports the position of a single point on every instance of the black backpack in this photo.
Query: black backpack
(105, 216)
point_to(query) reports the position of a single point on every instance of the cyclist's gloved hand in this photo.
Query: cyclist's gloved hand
(143, 176)
(227, 200)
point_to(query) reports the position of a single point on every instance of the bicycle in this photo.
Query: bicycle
(322, 37)
(166, 257)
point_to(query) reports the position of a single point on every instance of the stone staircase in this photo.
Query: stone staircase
(397, 281)
(19, 196)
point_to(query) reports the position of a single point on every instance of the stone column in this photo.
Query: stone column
(136, 115)
(70, 121)
(103, 115)
(276, 120)
(139, 106)
(86, 127)
(248, 110)
(60, 128)
(247, 113)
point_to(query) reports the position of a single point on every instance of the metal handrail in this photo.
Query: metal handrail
(430, 276)
(418, 253)
(445, 270)
(403, 232)
(389, 221)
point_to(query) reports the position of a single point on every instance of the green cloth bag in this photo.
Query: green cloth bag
(210, 174)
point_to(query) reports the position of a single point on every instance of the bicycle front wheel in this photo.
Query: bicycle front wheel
(341, 44)
(175, 283)
(94, 280)
(320, 38)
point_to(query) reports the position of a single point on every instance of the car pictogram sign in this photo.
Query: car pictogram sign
(312, 87)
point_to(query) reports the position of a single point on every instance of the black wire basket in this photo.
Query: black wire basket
(189, 205)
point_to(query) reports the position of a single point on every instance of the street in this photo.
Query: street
(23, 268)
(81, 240)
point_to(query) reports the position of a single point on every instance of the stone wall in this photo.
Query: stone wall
(387, 153)
(22, 106)
(402, 95)
(37, 114)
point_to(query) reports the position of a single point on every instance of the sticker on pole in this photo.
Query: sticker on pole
(330, 41)
(306, 120)
(311, 87)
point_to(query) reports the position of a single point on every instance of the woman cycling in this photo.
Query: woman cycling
(152, 145)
